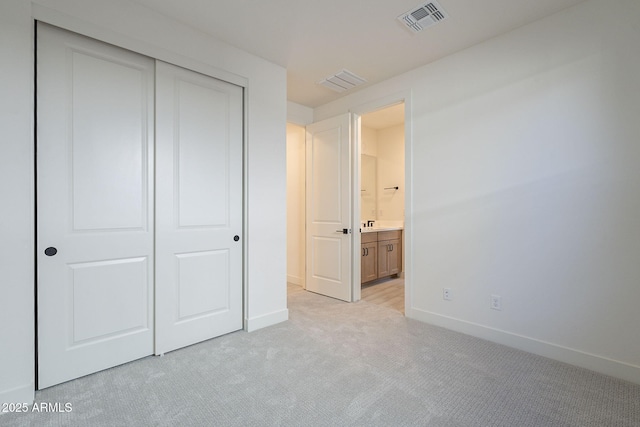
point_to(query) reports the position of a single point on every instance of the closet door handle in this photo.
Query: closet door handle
(50, 251)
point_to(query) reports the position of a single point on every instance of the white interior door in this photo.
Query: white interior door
(95, 205)
(328, 208)
(199, 207)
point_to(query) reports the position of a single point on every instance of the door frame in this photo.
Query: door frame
(407, 240)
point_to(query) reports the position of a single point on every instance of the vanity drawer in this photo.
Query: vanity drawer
(389, 235)
(368, 237)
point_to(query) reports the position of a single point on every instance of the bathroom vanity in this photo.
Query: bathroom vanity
(381, 253)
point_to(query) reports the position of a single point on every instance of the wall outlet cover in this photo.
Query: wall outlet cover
(496, 302)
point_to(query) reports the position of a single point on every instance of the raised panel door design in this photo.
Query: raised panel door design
(202, 284)
(202, 153)
(95, 204)
(326, 182)
(105, 197)
(326, 255)
(108, 299)
(198, 207)
(328, 207)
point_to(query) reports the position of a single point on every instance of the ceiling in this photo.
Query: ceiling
(316, 38)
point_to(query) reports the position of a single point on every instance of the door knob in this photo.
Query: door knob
(50, 251)
(236, 238)
(344, 231)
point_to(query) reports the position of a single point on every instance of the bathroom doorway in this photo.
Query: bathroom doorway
(382, 202)
(388, 210)
(295, 205)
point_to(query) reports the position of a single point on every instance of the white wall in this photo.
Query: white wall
(299, 114)
(387, 146)
(369, 141)
(134, 27)
(16, 203)
(368, 177)
(524, 177)
(391, 174)
(295, 204)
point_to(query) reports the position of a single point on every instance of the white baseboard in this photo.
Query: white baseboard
(259, 322)
(295, 280)
(571, 356)
(21, 394)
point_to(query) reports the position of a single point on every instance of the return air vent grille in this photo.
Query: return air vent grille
(342, 80)
(422, 16)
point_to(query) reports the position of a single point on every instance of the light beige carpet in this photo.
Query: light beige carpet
(339, 364)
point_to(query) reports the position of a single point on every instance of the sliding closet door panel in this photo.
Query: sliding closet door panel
(203, 155)
(95, 205)
(199, 207)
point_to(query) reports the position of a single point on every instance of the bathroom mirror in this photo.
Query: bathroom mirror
(368, 190)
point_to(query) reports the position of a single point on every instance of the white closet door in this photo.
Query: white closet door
(95, 205)
(199, 207)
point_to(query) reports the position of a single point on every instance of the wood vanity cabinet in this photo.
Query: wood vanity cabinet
(389, 253)
(381, 255)
(369, 257)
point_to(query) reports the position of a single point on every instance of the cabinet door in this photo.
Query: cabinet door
(383, 259)
(389, 257)
(369, 262)
(394, 256)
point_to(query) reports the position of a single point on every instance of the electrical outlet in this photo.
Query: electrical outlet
(447, 294)
(496, 302)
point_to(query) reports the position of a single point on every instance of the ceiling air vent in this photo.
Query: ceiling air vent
(341, 81)
(423, 16)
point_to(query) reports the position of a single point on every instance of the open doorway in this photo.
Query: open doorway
(295, 205)
(382, 201)
(386, 214)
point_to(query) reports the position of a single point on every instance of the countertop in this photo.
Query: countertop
(376, 229)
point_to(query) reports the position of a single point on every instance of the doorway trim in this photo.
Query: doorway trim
(407, 241)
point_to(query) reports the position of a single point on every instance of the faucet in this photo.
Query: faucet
(370, 223)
